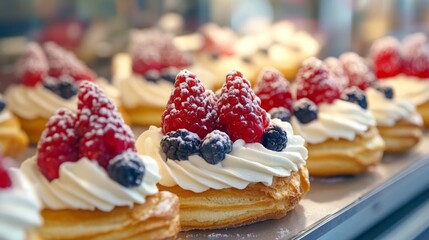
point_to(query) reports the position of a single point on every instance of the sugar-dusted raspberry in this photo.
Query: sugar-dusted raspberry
(5, 180)
(386, 57)
(63, 62)
(189, 107)
(102, 131)
(58, 144)
(273, 90)
(240, 113)
(415, 51)
(336, 69)
(315, 83)
(173, 57)
(357, 71)
(33, 66)
(145, 59)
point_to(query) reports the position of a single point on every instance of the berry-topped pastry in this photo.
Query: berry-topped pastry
(405, 67)
(340, 132)
(19, 205)
(92, 182)
(217, 154)
(145, 76)
(397, 119)
(49, 79)
(13, 140)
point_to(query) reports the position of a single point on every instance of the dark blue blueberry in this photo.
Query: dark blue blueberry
(127, 169)
(247, 60)
(386, 90)
(180, 144)
(274, 138)
(355, 95)
(215, 146)
(214, 56)
(64, 87)
(170, 74)
(152, 76)
(305, 110)
(2, 105)
(280, 113)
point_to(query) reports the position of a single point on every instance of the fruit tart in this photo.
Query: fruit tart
(145, 76)
(19, 205)
(405, 67)
(13, 140)
(228, 163)
(49, 79)
(398, 122)
(92, 182)
(341, 134)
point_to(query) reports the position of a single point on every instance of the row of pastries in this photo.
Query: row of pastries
(214, 155)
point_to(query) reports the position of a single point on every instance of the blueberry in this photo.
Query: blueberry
(263, 51)
(305, 110)
(280, 113)
(152, 76)
(355, 95)
(215, 146)
(386, 90)
(63, 87)
(169, 74)
(127, 169)
(247, 60)
(180, 144)
(214, 56)
(2, 105)
(274, 138)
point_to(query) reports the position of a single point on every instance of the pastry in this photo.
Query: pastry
(13, 140)
(19, 205)
(341, 134)
(49, 78)
(228, 163)
(405, 67)
(92, 182)
(145, 77)
(398, 122)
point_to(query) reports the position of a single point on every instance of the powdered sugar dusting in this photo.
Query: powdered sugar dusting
(336, 69)
(357, 71)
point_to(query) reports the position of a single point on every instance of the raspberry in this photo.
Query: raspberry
(416, 55)
(315, 83)
(5, 180)
(274, 138)
(355, 95)
(63, 62)
(33, 66)
(335, 68)
(58, 144)
(127, 169)
(146, 58)
(215, 146)
(173, 57)
(101, 128)
(357, 71)
(305, 110)
(180, 144)
(189, 107)
(273, 90)
(386, 57)
(240, 113)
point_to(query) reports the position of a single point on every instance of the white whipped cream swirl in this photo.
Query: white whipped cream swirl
(410, 88)
(247, 163)
(19, 208)
(341, 119)
(388, 111)
(85, 185)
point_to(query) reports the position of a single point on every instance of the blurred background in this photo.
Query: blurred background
(95, 30)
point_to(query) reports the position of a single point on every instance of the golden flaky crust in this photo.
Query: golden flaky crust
(226, 208)
(401, 137)
(339, 157)
(158, 218)
(145, 116)
(423, 109)
(13, 140)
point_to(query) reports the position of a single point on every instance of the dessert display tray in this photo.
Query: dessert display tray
(340, 206)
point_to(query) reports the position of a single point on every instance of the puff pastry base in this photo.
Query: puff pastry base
(423, 109)
(401, 137)
(157, 218)
(13, 140)
(344, 157)
(226, 208)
